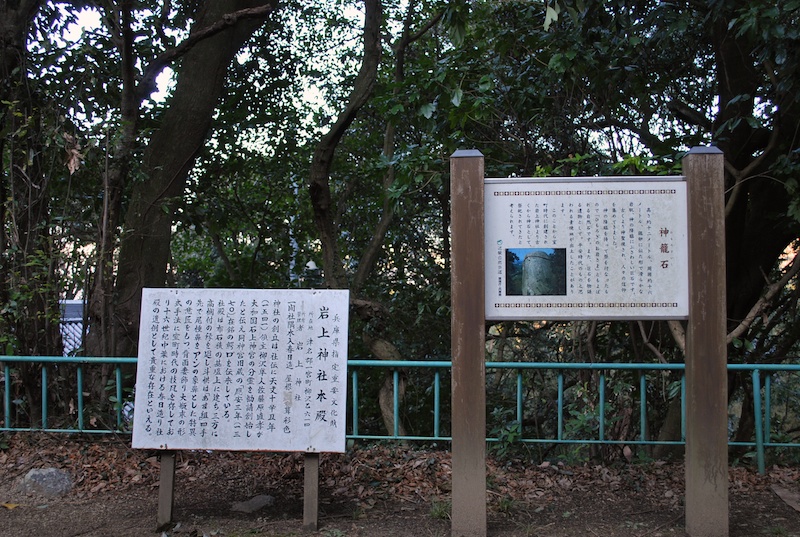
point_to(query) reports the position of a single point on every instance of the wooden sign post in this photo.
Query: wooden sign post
(468, 344)
(591, 248)
(311, 491)
(242, 370)
(706, 357)
(166, 489)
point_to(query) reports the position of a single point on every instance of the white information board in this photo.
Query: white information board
(242, 369)
(591, 248)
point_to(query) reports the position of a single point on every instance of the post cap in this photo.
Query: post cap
(466, 153)
(705, 150)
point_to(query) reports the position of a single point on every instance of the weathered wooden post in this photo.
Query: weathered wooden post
(166, 489)
(311, 492)
(468, 344)
(706, 358)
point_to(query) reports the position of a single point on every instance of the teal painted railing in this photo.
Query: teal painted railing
(762, 411)
(48, 362)
(762, 380)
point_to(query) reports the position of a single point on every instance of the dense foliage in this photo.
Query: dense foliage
(295, 135)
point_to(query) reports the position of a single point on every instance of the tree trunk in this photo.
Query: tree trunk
(100, 304)
(753, 242)
(322, 197)
(28, 290)
(383, 350)
(386, 402)
(670, 431)
(27, 271)
(144, 248)
(319, 176)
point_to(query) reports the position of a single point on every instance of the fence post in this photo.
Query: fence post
(759, 414)
(706, 357)
(468, 344)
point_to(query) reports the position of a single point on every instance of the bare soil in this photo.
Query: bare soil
(369, 491)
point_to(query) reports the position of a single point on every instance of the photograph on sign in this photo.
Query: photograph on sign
(593, 248)
(242, 369)
(536, 271)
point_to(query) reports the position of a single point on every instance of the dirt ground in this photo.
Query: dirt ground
(379, 490)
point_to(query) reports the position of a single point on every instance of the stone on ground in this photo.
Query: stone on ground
(50, 482)
(253, 504)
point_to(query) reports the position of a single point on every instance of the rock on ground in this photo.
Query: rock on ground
(50, 482)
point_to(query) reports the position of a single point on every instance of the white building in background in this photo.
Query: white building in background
(72, 316)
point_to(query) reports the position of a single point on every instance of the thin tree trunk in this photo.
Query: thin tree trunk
(319, 186)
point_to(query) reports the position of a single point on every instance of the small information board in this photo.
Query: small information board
(242, 369)
(596, 248)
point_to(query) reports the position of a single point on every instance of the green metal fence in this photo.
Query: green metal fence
(48, 365)
(762, 376)
(762, 397)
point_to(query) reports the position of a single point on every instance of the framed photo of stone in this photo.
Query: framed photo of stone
(586, 247)
(242, 369)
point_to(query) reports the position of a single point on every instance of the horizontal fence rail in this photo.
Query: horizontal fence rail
(50, 363)
(122, 402)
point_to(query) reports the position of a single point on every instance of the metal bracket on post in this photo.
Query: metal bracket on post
(468, 344)
(706, 350)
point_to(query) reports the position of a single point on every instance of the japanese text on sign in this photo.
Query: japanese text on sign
(565, 248)
(236, 369)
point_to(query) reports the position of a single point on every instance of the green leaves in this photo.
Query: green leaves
(458, 94)
(744, 344)
(551, 15)
(427, 110)
(793, 189)
(455, 20)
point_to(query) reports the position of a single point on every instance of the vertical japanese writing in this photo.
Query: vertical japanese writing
(236, 369)
(584, 247)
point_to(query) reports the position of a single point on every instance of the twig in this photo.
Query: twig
(649, 344)
(636, 513)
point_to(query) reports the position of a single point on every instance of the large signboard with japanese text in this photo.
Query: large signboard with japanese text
(592, 248)
(242, 369)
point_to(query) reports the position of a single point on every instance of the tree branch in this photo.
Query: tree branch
(653, 348)
(678, 334)
(408, 39)
(761, 305)
(162, 17)
(226, 262)
(148, 82)
(368, 259)
(740, 175)
(322, 160)
(688, 114)
(650, 140)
